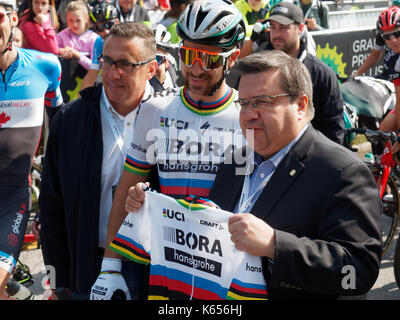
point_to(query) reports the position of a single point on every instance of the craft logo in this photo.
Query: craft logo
(12, 239)
(211, 224)
(172, 214)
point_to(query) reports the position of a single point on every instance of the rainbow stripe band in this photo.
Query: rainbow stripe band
(134, 166)
(207, 108)
(111, 272)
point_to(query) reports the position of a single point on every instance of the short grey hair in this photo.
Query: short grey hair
(134, 29)
(295, 79)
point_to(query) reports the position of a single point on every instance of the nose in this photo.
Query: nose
(197, 66)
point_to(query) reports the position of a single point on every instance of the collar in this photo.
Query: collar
(105, 102)
(207, 108)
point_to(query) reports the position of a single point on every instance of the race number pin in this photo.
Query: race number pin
(292, 173)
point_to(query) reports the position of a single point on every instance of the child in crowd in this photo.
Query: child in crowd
(18, 37)
(38, 25)
(77, 41)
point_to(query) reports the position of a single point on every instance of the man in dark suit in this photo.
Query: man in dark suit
(310, 208)
(304, 204)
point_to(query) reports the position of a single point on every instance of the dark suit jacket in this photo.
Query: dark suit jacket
(323, 203)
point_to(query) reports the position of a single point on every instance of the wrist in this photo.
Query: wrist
(111, 266)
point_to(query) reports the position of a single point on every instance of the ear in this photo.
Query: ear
(14, 19)
(302, 107)
(152, 67)
(301, 27)
(233, 58)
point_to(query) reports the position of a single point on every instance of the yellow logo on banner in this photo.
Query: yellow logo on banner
(332, 59)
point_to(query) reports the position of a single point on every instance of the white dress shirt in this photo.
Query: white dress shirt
(114, 154)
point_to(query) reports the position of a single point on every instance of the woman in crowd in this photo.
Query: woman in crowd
(38, 25)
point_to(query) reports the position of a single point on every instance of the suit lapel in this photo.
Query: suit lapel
(285, 174)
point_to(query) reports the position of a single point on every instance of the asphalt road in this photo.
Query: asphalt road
(385, 287)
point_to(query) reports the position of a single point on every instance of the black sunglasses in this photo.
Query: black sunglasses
(395, 34)
(102, 26)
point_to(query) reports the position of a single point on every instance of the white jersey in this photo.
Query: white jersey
(188, 140)
(188, 246)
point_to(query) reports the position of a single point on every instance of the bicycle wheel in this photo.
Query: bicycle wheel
(390, 210)
(396, 263)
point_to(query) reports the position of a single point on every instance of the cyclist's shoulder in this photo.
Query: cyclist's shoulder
(161, 100)
(37, 62)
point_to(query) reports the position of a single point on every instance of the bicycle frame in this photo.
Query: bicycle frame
(387, 164)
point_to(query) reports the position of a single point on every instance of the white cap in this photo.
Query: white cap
(11, 3)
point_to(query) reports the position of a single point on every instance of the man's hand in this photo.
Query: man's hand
(252, 235)
(135, 197)
(109, 281)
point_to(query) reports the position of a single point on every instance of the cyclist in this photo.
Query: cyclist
(166, 64)
(29, 81)
(103, 16)
(196, 123)
(377, 52)
(388, 27)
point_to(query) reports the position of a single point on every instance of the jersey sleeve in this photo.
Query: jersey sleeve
(249, 282)
(133, 239)
(97, 52)
(51, 69)
(141, 151)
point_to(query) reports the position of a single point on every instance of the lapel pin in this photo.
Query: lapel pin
(292, 173)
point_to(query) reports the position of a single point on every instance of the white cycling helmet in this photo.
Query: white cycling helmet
(212, 22)
(10, 3)
(162, 36)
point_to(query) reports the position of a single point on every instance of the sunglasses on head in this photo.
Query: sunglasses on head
(160, 58)
(3, 15)
(102, 26)
(386, 36)
(208, 60)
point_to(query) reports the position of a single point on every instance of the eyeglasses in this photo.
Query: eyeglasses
(386, 36)
(258, 103)
(123, 65)
(160, 58)
(208, 60)
(100, 27)
(3, 15)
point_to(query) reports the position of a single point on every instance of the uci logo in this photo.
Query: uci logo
(173, 215)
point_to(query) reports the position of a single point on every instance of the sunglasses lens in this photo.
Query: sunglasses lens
(209, 61)
(395, 34)
(160, 59)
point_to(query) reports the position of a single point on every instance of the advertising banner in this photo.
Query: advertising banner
(345, 50)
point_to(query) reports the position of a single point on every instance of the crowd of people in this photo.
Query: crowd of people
(187, 98)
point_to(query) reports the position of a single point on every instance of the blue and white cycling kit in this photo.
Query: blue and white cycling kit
(29, 84)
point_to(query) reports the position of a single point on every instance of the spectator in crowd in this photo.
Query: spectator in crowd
(205, 101)
(286, 27)
(171, 17)
(253, 11)
(166, 64)
(305, 247)
(130, 10)
(316, 17)
(85, 156)
(38, 25)
(77, 40)
(103, 17)
(37, 76)
(18, 37)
